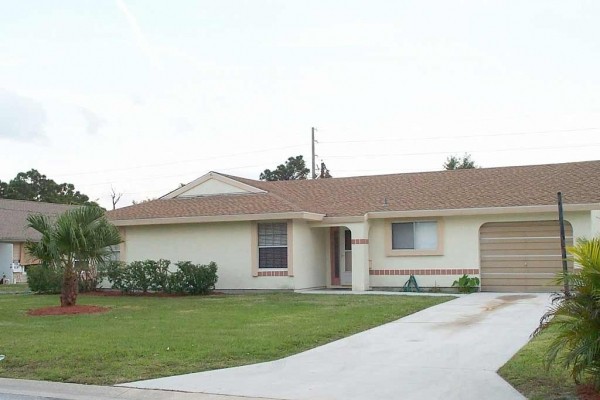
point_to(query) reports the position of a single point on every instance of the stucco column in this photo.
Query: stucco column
(360, 256)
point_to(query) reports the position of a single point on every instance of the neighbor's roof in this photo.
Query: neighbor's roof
(13, 218)
(534, 185)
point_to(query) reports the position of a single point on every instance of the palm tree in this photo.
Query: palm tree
(576, 316)
(78, 238)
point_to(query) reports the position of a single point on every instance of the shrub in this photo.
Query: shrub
(117, 273)
(158, 274)
(44, 279)
(466, 284)
(194, 279)
(139, 275)
(154, 275)
(576, 316)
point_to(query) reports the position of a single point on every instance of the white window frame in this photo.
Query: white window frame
(278, 246)
(255, 248)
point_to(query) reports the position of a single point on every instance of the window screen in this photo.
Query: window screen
(272, 245)
(403, 236)
(414, 235)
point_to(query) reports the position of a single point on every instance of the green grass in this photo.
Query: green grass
(14, 288)
(527, 373)
(142, 338)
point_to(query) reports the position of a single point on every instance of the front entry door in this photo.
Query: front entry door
(346, 256)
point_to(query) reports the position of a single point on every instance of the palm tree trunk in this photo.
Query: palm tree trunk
(68, 294)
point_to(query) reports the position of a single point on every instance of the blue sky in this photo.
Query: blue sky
(144, 95)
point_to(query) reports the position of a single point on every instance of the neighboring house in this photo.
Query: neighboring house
(372, 231)
(14, 233)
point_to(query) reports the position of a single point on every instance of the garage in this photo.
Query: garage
(521, 256)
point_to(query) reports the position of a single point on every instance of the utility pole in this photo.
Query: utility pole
(563, 247)
(312, 142)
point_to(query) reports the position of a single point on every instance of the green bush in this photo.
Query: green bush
(466, 284)
(194, 279)
(44, 279)
(118, 275)
(158, 272)
(139, 275)
(155, 276)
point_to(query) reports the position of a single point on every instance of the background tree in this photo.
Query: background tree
(464, 162)
(293, 169)
(34, 186)
(324, 171)
(114, 197)
(71, 242)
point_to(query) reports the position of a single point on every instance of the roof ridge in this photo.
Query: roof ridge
(467, 170)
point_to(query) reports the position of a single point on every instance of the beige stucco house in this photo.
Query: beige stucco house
(14, 233)
(372, 231)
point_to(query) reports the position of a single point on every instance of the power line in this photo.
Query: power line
(164, 176)
(458, 137)
(180, 161)
(466, 151)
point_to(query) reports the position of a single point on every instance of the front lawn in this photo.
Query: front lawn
(142, 338)
(14, 288)
(526, 372)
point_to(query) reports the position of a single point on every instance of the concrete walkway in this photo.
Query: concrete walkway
(449, 351)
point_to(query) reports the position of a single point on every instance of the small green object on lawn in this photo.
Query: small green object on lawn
(411, 285)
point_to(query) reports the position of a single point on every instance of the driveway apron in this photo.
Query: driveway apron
(449, 351)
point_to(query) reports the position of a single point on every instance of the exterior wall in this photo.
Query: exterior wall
(460, 249)
(20, 254)
(230, 245)
(309, 249)
(211, 186)
(6, 254)
(595, 221)
(227, 244)
(17, 251)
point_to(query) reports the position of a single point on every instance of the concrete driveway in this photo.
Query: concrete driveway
(449, 351)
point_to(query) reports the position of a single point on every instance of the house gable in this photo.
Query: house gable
(212, 184)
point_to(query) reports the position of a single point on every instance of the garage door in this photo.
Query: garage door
(521, 256)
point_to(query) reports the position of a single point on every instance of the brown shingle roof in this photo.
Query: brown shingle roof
(474, 188)
(13, 218)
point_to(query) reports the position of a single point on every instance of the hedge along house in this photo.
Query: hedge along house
(372, 231)
(14, 233)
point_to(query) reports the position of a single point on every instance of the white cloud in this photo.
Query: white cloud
(21, 118)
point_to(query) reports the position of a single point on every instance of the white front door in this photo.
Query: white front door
(346, 257)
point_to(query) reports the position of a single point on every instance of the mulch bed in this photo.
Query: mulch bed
(587, 392)
(58, 310)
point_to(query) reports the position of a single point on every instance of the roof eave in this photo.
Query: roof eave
(308, 216)
(481, 211)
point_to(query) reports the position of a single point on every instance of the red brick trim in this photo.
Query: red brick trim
(272, 273)
(448, 271)
(360, 241)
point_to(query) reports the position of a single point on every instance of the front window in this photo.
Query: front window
(272, 245)
(422, 235)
